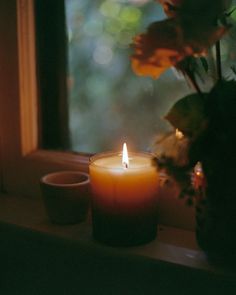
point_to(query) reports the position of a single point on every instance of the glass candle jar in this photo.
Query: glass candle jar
(124, 198)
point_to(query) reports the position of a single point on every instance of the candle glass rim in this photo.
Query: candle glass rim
(93, 158)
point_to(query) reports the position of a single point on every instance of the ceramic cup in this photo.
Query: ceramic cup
(66, 196)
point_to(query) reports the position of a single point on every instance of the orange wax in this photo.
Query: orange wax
(124, 199)
(115, 186)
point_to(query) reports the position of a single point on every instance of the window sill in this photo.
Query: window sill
(174, 250)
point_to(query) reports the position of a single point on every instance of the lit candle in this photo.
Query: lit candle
(124, 201)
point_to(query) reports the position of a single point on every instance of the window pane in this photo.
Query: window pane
(108, 104)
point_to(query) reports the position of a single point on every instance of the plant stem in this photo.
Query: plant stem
(218, 60)
(193, 81)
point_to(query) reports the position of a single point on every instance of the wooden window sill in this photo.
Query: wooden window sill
(174, 250)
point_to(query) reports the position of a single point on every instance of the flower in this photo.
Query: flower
(169, 41)
(170, 7)
(201, 162)
(192, 7)
(187, 33)
(158, 49)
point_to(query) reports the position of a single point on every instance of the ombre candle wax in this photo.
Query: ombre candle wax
(124, 199)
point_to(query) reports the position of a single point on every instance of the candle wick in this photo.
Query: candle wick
(125, 165)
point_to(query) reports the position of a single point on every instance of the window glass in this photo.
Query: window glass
(108, 103)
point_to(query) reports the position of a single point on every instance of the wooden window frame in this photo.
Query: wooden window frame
(22, 162)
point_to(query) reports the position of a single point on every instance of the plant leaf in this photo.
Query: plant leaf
(188, 115)
(204, 64)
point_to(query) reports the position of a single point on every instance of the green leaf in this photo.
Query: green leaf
(233, 68)
(229, 17)
(188, 114)
(232, 12)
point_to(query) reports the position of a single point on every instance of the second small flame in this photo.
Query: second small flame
(125, 157)
(178, 134)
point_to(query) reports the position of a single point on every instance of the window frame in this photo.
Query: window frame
(22, 162)
(51, 55)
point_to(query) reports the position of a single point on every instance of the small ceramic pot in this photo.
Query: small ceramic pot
(66, 196)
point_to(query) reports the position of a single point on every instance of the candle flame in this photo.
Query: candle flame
(179, 134)
(198, 169)
(125, 157)
(198, 179)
